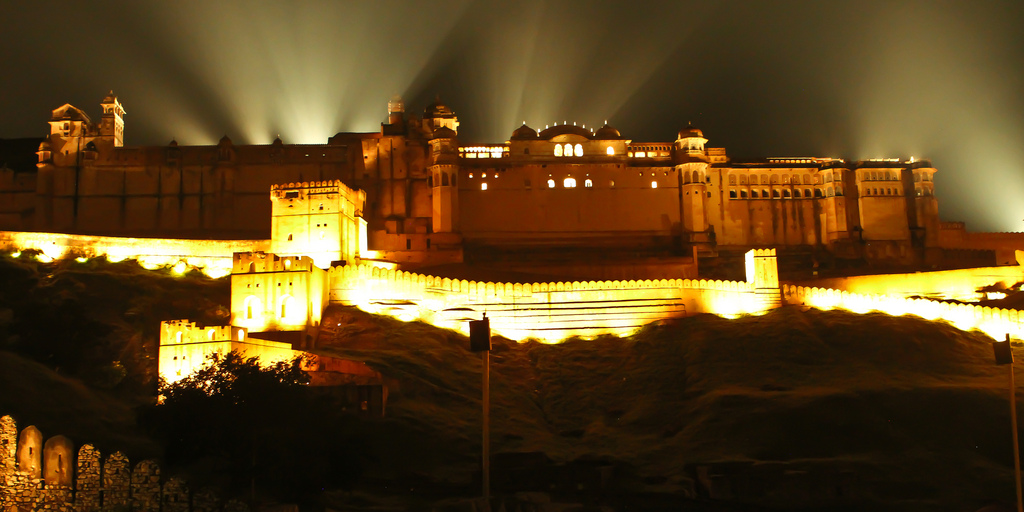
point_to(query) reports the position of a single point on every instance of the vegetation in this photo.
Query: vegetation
(259, 426)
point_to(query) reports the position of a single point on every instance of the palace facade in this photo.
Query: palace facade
(429, 198)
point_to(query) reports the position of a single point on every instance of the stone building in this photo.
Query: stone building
(426, 198)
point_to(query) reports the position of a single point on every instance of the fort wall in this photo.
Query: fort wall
(960, 284)
(995, 322)
(85, 482)
(211, 256)
(548, 311)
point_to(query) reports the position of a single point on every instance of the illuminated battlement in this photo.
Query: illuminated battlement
(186, 346)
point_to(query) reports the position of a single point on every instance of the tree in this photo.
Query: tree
(264, 423)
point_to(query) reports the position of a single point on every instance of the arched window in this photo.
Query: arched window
(588, 183)
(551, 183)
(430, 180)
(764, 179)
(444, 179)
(743, 179)
(830, 192)
(558, 150)
(807, 179)
(786, 194)
(796, 193)
(568, 149)
(807, 192)
(696, 177)
(569, 182)
(252, 307)
(817, 192)
(775, 179)
(775, 194)
(839, 190)
(210, 333)
(654, 184)
(286, 307)
(610, 151)
(177, 337)
(578, 150)
(732, 194)
(483, 186)
(764, 193)
(753, 194)
(455, 175)
(743, 194)
(732, 179)
(611, 183)
(252, 265)
(888, 191)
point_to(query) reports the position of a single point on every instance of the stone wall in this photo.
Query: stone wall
(25, 486)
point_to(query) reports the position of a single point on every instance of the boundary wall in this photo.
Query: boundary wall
(213, 257)
(995, 322)
(960, 284)
(51, 476)
(547, 311)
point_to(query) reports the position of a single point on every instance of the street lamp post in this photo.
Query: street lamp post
(1004, 355)
(480, 341)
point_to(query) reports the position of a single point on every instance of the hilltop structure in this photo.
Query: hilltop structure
(548, 195)
(561, 232)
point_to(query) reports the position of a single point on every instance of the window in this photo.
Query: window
(578, 150)
(551, 183)
(252, 307)
(558, 150)
(241, 335)
(483, 186)
(775, 194)
(753, 194)
(610, 151)
(830, 194)
(786, 194)
(743, 194)
(210, 333)
(611, 184)
(444, 179)
(526, 151)
(732, 194)
(289, 239)
(807, 192)
(654, 184)
(732, 179)
(696, 177)
(588, 183)
(569, 182)
(177, 337)
(526, 183)
(568, 149)
(796, 193)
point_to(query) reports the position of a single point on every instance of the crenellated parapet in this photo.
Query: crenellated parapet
(85, 482)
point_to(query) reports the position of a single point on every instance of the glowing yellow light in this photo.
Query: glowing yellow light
(654, 184)
(81, 259)
(995, 295)
(483, 186)
(179, 267)
(16, 254)
(44, 258)
(610, 151)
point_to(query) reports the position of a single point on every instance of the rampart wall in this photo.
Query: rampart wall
(546, 311)
(214, 257)
(995, 322)
(51, 476)
(961, 284)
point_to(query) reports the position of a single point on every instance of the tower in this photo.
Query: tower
(112, 120)
(437, 114)
(444, 171)
(691, 164)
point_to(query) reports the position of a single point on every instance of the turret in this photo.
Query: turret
(691, 162)
(437, 115)
(112, 120)
(444, 172)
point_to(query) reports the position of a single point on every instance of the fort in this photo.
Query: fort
(559, 232)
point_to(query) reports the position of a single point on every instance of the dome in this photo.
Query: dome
(224, 141)
(173, 143)
(690, 131)
(443, 133)
(524, 132)
(607, 132)
(437, 109)
(565, 129)
(277, 141)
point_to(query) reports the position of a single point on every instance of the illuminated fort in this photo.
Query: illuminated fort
(555, 232)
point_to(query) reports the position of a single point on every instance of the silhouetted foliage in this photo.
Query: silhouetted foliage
(262, 423)
(97, 320)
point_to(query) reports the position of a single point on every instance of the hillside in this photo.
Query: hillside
(793, 409)
(896, 410)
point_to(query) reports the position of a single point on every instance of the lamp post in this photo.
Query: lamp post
(1004, 355)
(480, 341)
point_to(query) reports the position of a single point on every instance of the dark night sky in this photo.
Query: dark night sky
(930, 79)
